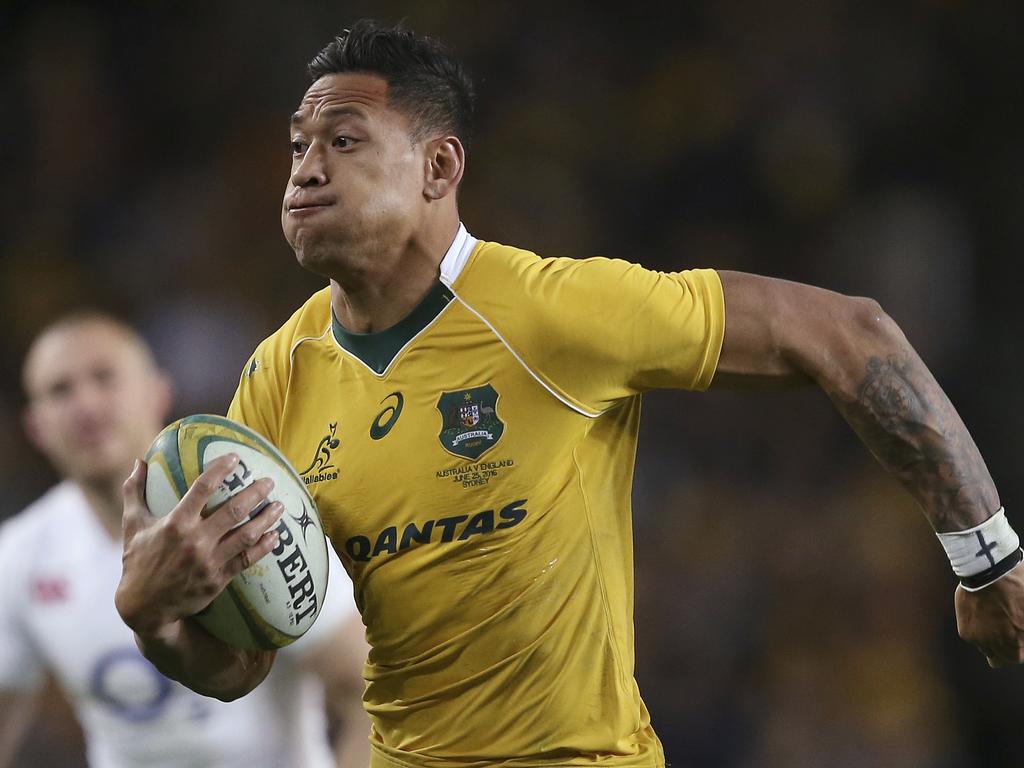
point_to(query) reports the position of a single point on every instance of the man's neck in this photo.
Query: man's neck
(376, 300)
(105, 501)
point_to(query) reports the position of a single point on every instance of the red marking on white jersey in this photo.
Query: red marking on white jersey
(50, 590)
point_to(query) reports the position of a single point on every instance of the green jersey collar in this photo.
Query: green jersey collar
(377, 350)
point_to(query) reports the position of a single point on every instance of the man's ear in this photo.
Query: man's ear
(163, 396)
(30, 423)
(445, 162)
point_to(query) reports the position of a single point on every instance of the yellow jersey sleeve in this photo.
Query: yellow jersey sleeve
(263, 385)
(260, 395)
(598, 330)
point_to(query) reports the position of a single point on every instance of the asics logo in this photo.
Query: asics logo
(386, 419)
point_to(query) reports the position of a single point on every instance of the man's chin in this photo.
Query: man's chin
(317, 264)
(320, 261)
(324, 254)
(99, 470)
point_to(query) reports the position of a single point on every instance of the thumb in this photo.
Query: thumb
(135, 512)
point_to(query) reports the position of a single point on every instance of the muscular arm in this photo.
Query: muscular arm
(778, 333)
(39, 719)
(186, 652)
(16, 714)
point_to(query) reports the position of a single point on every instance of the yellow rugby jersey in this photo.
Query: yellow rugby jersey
(473, 468)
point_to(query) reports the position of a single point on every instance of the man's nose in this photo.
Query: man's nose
(88, 398)
(312, 170)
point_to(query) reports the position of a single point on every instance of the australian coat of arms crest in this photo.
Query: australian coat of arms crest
(469, 421)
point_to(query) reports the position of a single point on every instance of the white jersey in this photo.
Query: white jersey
(59, 570)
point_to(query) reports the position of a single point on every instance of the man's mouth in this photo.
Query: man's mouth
(303, 205)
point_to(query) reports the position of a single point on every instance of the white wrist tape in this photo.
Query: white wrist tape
(983, 554)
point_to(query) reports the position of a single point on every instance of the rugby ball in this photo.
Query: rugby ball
(275, 600)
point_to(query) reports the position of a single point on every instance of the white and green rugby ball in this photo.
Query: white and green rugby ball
(275, 600)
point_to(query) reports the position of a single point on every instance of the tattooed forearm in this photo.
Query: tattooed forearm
(778, 332)
(908, 423)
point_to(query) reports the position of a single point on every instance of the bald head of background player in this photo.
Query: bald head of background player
(96, 399)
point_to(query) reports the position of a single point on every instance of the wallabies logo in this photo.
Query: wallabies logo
(469, 421)
(321, 468)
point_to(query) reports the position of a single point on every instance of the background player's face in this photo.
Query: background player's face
(96, 400)
(356, 189)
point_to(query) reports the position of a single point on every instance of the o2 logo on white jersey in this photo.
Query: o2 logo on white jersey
(132, 688)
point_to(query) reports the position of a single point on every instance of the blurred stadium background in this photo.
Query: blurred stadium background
(792, 608)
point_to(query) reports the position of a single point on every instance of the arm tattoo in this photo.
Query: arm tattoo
(908, 423)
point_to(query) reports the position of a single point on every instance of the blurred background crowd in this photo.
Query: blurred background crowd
(792, 606)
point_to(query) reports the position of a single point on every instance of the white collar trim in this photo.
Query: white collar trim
(458, 254)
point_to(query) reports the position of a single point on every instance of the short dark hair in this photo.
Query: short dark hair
(425, 80)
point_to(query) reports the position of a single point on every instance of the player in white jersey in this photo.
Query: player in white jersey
(95, 401)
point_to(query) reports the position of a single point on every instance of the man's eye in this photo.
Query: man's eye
(59, 390)
(298, 147)
(104, 376)
(343, 142)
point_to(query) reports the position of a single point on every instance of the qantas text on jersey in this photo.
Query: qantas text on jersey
(389, 542)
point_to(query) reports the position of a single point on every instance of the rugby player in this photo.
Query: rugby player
(96, 400)
(485, 402)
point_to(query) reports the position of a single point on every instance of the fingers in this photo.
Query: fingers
(240, 507)
(1002, 654)
(990, 620)
(232, 512)
(194, 501)
(994, 659)
(248, 543)
(134, 509)
(999, 649)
